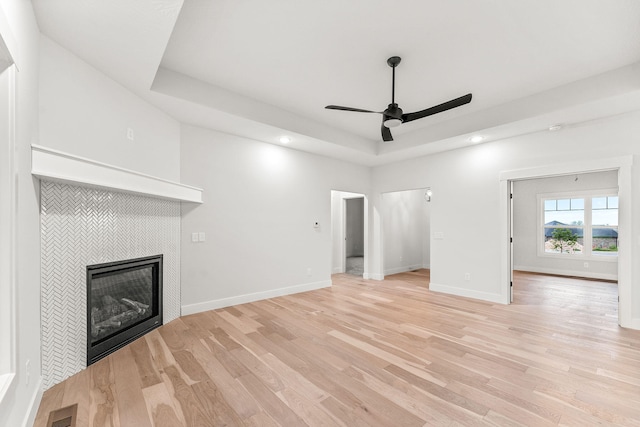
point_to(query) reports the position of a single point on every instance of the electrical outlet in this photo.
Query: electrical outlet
(130, 134)
(308, 271)
(194, 237)
(586, 265)
(467, 276)
(201, 236)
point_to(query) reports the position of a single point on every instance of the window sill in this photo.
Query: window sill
(5, 385)
(579, 257)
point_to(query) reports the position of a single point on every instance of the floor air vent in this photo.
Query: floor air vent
(65, 417)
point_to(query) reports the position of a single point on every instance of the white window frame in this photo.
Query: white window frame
(587, 195)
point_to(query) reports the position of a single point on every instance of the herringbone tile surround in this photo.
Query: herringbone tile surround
(81, 226)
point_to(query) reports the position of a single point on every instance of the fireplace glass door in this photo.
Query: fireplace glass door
(124, 301)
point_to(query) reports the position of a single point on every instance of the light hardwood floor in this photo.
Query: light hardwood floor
(388, 353)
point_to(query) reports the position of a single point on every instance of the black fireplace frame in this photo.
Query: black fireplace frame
(108, 345)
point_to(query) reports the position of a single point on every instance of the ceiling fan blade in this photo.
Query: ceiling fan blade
(357, 110)
(386, 134)
(437, 109)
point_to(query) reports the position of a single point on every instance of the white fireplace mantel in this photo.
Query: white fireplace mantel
(53, 165)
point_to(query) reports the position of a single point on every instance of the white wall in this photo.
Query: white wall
(84, 112)
(405, 219)
(260, 203)
(465, 205)
(525, 225)
(22, 399)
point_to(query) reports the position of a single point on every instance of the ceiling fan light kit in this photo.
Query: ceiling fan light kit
(391, 123)
(393, 116)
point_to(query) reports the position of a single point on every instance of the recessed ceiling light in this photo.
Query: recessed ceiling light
(285, 139)
(476, 138)
(555, 127)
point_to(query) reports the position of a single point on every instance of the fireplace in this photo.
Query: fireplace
(124, 302)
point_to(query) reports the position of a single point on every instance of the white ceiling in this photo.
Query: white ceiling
(264, 69)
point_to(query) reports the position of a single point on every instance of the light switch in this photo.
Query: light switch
(194, 237)
(201, 236)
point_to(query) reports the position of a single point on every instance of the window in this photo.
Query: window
(604, 226)
(563, 225)
(583, 224)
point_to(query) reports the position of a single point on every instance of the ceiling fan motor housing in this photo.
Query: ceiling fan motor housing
(393, 111)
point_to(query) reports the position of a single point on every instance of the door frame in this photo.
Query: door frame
(344, 229)
(383, 220)
(623, 166)
(342, 235)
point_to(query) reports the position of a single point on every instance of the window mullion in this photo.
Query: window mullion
(588, 227)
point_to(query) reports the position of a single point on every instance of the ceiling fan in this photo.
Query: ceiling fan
(393, 115)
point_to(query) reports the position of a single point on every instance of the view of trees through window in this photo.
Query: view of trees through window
(581, 225)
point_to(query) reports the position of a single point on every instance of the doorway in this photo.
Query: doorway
(581, 207)
(622, 167)
(349, 233)
(354, 236)
(406, 229)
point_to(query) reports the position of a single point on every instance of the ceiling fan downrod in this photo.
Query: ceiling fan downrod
(393, 63)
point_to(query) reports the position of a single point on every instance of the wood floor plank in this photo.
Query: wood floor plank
(104, 408)
(161, 407)
(187, 400)
(376, 353)
(142, 357)
(400, 393)
(306, 409)
(132, 409)
(214, 404)
(350, 416)
(271, 403)
(160, 352)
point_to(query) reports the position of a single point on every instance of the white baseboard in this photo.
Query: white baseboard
(373, 276)
(469, 293)
(427, 266)
(32, 411)
(337, 270)
(402, 269)
(635, 323)
(257, 296)
(561, 272)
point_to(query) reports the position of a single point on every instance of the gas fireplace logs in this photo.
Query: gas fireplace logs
(114, 313)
